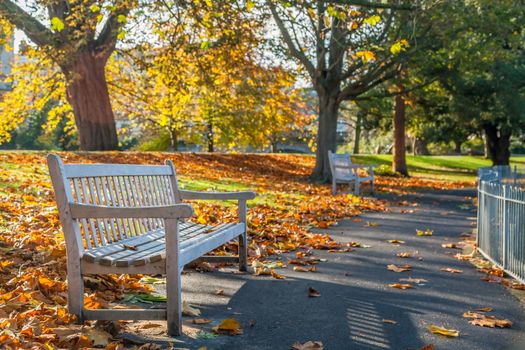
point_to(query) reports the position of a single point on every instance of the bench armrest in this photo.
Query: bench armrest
(217, 195)
(87, 211)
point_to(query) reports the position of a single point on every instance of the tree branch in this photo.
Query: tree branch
(107, 39)
(36, 31)
(371, 4)
(294, 51)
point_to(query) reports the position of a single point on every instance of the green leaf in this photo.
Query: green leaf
(206, 335)
(57, 25)
(121, 19)
(205, 45)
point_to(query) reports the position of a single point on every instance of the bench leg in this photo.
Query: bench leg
(173, 280)
(357, 188)
(334, 188)
(372, 186)
(75, 293)
(243, 238)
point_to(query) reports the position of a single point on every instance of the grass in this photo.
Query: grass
(447, 168)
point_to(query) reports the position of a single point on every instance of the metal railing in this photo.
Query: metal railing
(501, 218)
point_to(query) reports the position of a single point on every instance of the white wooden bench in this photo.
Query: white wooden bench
(344, 171)
(129, 219)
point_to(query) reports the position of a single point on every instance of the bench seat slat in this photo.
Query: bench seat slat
(150, 247)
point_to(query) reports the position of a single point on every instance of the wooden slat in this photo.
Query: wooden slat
(124, 314)
(151, 247)
(94, 170)
(94, 200)
(84, 225)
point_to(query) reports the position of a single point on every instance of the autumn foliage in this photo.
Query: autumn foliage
(32, 250)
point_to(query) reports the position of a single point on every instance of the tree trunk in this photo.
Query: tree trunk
(457, 147)
(399, 163)
(358, 131)
(87, 93)
(326, 137)
(420, 147)
(211, 146)
(498, 144)
(174, 140)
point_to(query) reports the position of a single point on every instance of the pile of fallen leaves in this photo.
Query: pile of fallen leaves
(33, 291)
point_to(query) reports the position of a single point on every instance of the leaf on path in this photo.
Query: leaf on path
(303, 269)
(229, 326)
(277, 276)
(371, 224)
(427, 232)
(219, 292)
(482, 320)
(401, 285)
(427, 347)
(395, 241)
(413, 280)
(443, 331)
(309, 345)
(313, 293)
(356, 245)
(451, 270)
(201, 321)
(450, 246)
(152, 280)
(189, 310)
(395, 268)
(389, 321)
(342, 250)
(149, 325)
(484, 309)
(403, 255)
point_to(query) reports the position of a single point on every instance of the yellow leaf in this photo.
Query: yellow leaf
(228, 326)
(189, 310)
(372, 20)
(57, 25)
(366, 56)
(443, 331)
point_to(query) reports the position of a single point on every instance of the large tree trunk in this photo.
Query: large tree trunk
(457, 146)
(326, 137)
(358, 123)
(498, 144)
(399, 163)
(87, 93)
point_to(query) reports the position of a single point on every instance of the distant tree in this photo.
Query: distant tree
(346, 48)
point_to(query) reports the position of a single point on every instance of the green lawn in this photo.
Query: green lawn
(453, 168)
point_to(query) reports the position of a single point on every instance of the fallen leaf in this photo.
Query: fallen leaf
(219, 292)
(443, 331)
(403, 255)
(312, 293)
(389, 321)
(482, 320)
(229, 326)
(309, 345)
(484, 309)
(276, 275)
(129, 247)
(395, 241)
(427, 232)
(98, 337)
(189, 310)
(450, 246)
(427, 347)
(400, 285)
(395, 268)
(371, 224)
(451, 270)
(201, 321)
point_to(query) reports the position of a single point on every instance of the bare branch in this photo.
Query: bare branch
(36, 31)
(372, 4)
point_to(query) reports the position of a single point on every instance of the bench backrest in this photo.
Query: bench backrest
(114, 185)
(339, 164)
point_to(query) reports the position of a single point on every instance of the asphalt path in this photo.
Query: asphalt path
(355, 297)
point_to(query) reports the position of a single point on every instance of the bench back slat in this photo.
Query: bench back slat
(113, 185)
(339, 164)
